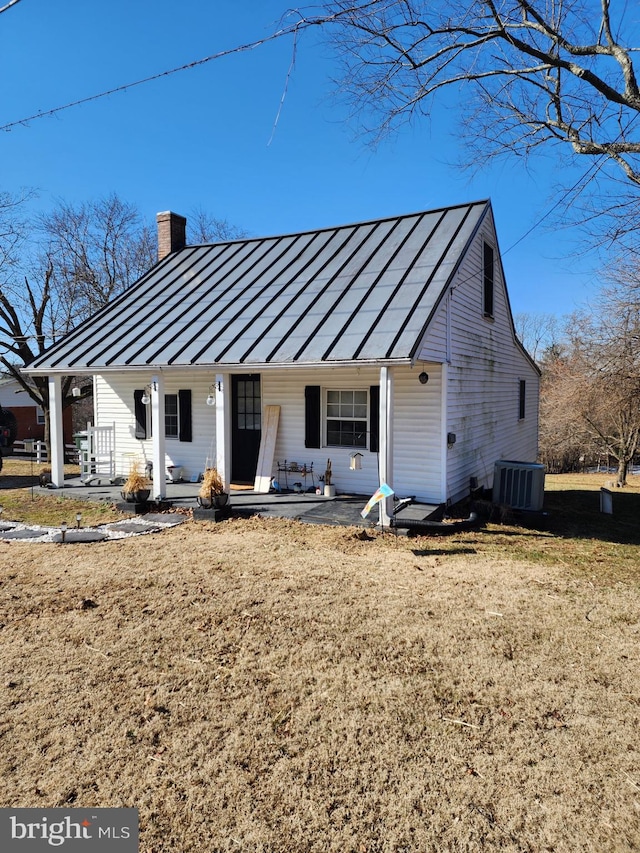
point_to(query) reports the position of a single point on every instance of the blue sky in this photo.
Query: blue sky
(205, 138)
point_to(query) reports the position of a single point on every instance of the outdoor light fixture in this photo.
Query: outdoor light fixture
(63, 530)
(146, 395)
(211, 399)
(423, 378)
(78, 519)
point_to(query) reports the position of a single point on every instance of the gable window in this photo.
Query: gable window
(346, 420)
(522, 396)
(488, 264)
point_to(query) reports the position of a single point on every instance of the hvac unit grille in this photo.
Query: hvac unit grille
(519, 484)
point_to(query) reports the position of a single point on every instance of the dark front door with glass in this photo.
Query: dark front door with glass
(246, 427)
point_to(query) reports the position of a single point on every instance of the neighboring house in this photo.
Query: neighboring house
(392, 338)
(29, 416)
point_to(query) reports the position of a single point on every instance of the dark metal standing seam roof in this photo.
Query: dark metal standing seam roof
(354, 293)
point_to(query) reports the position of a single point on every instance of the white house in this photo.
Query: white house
(392, 339)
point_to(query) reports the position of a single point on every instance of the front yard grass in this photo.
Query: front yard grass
(265, 685)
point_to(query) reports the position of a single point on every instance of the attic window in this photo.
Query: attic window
(488, 279)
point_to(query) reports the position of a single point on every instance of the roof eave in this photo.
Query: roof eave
(218, 368)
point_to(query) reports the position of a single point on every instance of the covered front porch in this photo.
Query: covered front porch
(153, 455)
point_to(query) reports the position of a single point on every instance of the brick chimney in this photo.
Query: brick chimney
(172, 233)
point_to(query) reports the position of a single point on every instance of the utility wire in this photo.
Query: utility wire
(295, 28)
(8, 5)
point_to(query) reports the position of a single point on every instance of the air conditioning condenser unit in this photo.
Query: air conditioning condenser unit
(519, 485)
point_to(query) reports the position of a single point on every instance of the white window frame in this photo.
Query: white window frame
(340, 416)
(167, 414)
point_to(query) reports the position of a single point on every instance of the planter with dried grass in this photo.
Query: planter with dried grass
(136, 487)
(212, 493)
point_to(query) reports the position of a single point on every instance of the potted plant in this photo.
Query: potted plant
(212, 493)
(136, 486)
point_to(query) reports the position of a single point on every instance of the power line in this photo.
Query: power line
(9, 5)
(292, 29)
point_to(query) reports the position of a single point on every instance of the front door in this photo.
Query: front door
(246, 427)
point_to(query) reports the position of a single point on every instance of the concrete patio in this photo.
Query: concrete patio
(308, 506)
(341, 510)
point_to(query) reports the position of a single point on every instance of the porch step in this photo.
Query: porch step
(421, 512)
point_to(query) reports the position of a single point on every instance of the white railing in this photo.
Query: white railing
(37, 450)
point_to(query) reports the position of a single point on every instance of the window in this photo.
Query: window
(347, 418)
(171, 419)
(248, 403)
(177, 415)
(522, 395)
(39, 416)
(488, 279)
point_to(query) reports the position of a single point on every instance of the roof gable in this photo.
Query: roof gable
(352, 293)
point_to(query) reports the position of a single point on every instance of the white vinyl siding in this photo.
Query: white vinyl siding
(484, 377)
(113, 402)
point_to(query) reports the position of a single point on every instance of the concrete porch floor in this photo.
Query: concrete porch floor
(308, 507)
(341, 510)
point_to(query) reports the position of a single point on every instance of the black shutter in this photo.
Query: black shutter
(374, 418)
(312, 416)
(184, 415)
(140, 411)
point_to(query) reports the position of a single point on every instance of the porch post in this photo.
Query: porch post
(223, 427)
(386, 441)
(158, 440)
(56, 437)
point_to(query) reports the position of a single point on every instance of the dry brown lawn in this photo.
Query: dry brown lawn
(268, 686)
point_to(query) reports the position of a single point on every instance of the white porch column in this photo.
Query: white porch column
(56, 438)
(158, 440)
(386, 441)
(223, 427)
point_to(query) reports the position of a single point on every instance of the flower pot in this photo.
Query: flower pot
(217, 501)
(330, 491)
(141, 496)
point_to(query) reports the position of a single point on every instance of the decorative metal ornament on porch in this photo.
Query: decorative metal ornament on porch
(355, 461)
(329, 488)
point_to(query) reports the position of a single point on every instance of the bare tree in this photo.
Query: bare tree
(538, 331)
(96, 250)
(537, 72)
(24, 335)
(601, 373)
(205, 228)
